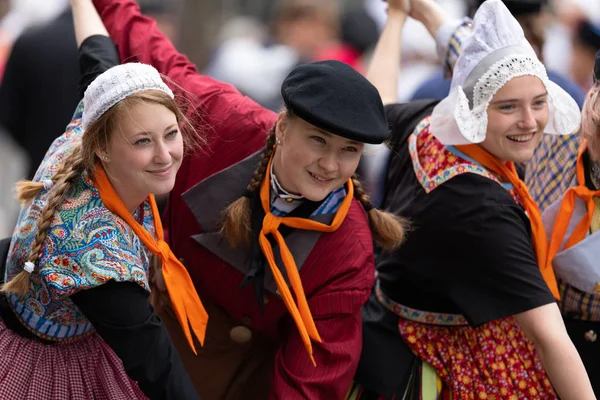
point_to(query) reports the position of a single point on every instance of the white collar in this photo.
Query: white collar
(280, 192)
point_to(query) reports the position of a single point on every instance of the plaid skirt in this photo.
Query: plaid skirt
(79, 370)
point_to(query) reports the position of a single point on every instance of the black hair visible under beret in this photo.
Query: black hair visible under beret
(333, 96)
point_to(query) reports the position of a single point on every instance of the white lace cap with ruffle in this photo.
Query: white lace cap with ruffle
(495, 53)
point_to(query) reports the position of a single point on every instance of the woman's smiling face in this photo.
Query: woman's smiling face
(517, 116)
(311, 162)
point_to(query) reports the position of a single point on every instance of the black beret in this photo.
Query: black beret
(333, 96)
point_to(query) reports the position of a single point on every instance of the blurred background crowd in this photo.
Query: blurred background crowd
(251, 44)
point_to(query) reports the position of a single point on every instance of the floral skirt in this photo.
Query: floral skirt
(494, 361)
(80, 370)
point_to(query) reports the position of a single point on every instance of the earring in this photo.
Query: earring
(104, 158)
(278, 142)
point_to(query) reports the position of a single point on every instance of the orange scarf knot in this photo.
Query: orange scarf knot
(270, 224)
(298, 309)
(164, 249)
(567, 207)
(186, 303)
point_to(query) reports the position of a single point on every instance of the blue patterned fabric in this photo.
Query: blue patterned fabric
(330, 205)
(86, 246)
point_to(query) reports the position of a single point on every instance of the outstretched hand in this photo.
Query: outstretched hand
(428, 12)
(399, 5)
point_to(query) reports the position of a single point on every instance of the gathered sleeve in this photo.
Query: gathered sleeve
(97, 54)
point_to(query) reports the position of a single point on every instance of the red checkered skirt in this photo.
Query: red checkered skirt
(79, 370)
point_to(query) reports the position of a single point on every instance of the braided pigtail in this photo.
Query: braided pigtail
(235, 226)
(388, 230)
(68, 171)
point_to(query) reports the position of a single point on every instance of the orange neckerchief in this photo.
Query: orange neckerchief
(567, 206)
(538, 233)
(186, 303)
(300, 312)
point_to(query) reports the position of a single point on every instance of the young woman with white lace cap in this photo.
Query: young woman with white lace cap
(466, 308)
(75, 321)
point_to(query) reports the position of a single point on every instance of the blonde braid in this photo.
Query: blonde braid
(236, 225)
(69, 170)
(389, 230)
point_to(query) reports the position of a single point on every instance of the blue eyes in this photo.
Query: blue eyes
(144, 141)
(321, 140)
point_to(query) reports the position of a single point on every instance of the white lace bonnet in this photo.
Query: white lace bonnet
(495, 53)
(117, 83)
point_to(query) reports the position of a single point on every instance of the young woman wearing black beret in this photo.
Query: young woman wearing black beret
(278, 238)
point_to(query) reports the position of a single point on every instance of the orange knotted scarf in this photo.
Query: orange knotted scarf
(186, 303)
(299, 311)
(539, 238)
(567, 206)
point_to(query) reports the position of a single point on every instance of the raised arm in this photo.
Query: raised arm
(97, 52)
(138, 39)
(86, 20)
(383, 69)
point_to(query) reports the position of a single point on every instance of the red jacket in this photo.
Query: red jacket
(337, 274)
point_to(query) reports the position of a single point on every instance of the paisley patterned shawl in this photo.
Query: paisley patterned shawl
(86, 246)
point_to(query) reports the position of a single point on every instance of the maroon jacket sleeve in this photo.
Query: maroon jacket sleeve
(336, 308)
(221, 108)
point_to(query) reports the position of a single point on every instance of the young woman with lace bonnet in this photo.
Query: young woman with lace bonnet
(75, 321)
(466, 308)
(275, 228)
(572, 224)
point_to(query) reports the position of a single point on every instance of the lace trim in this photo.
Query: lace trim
(473, 122)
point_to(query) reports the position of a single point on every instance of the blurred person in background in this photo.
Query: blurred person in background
(5, 34)
(585, 43)
(39, 91)
(13, 161)
(256, 59)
